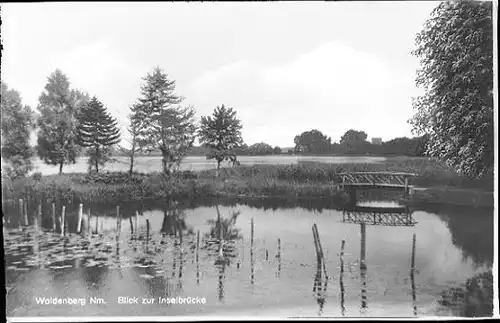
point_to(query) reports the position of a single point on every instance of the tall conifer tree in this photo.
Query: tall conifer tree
(97, 131)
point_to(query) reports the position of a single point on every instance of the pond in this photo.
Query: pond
(273, 272)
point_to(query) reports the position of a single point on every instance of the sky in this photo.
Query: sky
(285, 67)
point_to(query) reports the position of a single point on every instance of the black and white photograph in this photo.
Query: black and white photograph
(206, 161)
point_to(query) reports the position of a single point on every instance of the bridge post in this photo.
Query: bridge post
(352, 197)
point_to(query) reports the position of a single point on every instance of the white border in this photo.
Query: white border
(496, 313)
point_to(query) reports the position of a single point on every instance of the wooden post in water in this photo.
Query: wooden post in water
(147, 234)
(118, 223)
(26, 221)
(97, 223)
(54, 217)
(412, 275)
(279, 248)
(251, 232)
(39, 217)
(131, 226)
(89, 217)
(279, 258)
(363, 246)
(342, 256)
(413, 252)
(80, 218)
(219, 232)
(21, 212)
(136, 217)
(197, 263)
(341, 279)
(252, 270)
(63, 221)
(319, 249)
(316, 244)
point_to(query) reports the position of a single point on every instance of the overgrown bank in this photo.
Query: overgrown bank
(303, 181)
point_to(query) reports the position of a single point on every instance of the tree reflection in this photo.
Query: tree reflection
(174, 222)
(222, 235)
(472, 231)
(220, 239)
(475, 299)
(226, 226)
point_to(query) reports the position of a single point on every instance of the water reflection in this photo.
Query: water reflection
(387, 216)
(222, 236)
(472, 231)
(474, 298)
(178, 262)
(375, 213)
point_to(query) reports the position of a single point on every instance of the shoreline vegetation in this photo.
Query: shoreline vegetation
(305, 183)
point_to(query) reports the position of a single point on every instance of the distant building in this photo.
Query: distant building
(376, 141)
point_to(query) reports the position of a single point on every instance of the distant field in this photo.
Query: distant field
(196, 163)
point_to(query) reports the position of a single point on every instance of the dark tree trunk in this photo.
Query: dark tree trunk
(131, 163)
(97, 159)
(60, 167)
(218, 167)
(166, 170)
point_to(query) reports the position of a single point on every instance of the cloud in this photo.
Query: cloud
(332, 88)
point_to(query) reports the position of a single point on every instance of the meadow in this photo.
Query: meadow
(289, 178)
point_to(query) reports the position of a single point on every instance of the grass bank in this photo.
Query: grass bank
(306, 180)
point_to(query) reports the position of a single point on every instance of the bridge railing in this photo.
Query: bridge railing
(376, 178)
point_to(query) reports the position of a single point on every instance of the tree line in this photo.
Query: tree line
(453, 119)
(354, 142)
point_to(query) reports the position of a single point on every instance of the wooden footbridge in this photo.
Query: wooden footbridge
(352, 182)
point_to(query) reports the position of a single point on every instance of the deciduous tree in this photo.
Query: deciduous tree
(17, 121)
(57, 125)
(353, 138)
(98, 131)
(221, 132)
(260, 149)
(455, 49)
(313, 141)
